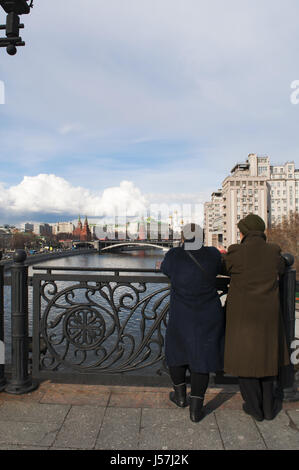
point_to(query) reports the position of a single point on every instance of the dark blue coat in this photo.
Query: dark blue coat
(196, 325)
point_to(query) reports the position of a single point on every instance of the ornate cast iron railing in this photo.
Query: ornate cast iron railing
(100, 324)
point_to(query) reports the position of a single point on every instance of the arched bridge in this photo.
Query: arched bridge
(109, 245)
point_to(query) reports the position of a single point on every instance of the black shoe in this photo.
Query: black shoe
(276, 409)
(196, 411)
(179, 395)
(257, 417)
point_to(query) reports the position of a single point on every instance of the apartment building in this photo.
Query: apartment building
(284, 191)
(63, 227)
(213, 219)
(42, 229)
(252, 187)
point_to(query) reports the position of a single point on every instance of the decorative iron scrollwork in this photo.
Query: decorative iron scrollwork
(104, 326)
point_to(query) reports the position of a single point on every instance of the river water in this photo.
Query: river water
(139, 259)
(126, 259)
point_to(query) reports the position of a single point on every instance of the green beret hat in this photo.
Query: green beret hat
(251, 222)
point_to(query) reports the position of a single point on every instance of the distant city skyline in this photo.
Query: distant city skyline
(63, 200)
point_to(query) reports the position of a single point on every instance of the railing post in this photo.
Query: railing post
(286, 380)
(2, 377)
(20, 381)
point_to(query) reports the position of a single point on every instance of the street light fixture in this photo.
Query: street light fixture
(13, 8)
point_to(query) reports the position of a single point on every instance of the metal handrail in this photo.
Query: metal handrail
(96, 269)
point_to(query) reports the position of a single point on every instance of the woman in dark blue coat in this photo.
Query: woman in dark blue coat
(196, 326)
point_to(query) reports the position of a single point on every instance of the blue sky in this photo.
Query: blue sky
(165, 94)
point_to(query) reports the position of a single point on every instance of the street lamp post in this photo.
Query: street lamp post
(14, 8)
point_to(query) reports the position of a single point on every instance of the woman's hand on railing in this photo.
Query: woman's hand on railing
(158, 264)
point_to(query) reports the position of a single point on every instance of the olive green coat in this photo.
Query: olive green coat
(255, 344)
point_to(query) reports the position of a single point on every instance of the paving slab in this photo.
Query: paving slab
(33, 412)
(76, 394)
(165, 429)
(22, 447)
(139, 399)
(120, 429)
(279, 434)
(294, 415)
(238, 431)
(26, 433)
(216, 401)
(81, 427)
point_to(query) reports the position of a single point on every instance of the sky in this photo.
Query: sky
(133, 102)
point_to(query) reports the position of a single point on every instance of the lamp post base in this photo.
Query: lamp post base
(2, 384)
(19, 389)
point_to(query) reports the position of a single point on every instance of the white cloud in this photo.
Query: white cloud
(51, 194)
(47, 196)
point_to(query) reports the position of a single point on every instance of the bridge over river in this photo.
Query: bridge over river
(109, 245)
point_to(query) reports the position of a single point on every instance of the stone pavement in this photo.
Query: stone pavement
(60, 416)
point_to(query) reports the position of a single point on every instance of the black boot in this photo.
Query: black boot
(196, 411)
(277, 407)
(179, 395)
(258, 416)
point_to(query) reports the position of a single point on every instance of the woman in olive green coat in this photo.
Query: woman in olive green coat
(255, 345)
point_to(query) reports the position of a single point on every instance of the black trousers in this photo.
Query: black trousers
(258, 394)
(199, 382)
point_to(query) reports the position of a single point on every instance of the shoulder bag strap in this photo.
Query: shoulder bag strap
(201, 267)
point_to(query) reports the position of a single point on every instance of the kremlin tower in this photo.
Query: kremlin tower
(82, 232)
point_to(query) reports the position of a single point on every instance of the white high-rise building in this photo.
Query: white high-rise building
(213, 220)
(284, 191)
(63, 227)
(253, 187)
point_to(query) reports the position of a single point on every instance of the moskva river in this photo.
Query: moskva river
(138, 259)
